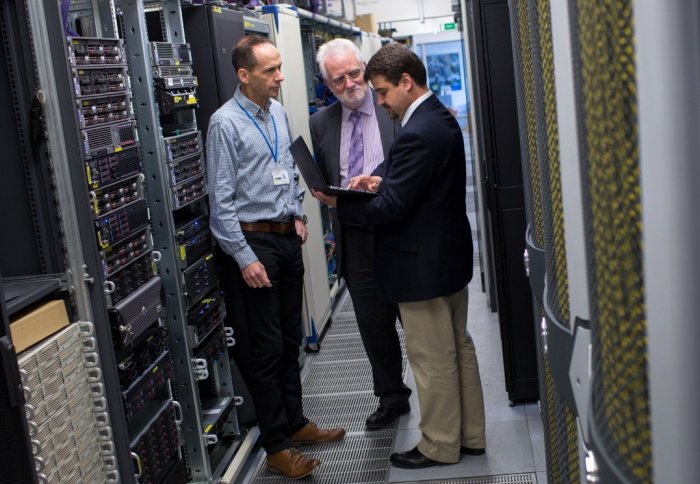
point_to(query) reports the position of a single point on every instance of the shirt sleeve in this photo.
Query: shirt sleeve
(222, 163)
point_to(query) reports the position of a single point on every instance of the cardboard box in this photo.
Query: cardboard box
(33, 326)
(367, 23)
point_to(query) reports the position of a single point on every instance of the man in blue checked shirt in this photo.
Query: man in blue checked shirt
(257, 220)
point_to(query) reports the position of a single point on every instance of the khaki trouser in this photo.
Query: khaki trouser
(443, 358)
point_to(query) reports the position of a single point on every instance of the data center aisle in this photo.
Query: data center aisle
(338, 392)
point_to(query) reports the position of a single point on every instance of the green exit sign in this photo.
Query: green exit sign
(449, 26)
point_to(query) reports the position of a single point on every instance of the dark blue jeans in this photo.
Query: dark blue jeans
(268, 332)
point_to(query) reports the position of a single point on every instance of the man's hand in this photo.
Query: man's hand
(255, 275)
(365, 182)
(302, 231)
(329, 200)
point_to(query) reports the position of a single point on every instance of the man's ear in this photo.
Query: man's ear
(243, 76)
(406, 81)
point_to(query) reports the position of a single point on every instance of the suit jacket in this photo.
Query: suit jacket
(422, 237)
(325, 138)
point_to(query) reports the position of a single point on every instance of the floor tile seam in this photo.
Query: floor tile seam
(532, 449)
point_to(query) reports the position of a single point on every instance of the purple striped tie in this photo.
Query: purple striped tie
(356, 155)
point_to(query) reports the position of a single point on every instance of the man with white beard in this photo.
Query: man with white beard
(350, 138)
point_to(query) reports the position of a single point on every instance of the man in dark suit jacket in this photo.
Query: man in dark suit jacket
(342, 68)
(423, 256)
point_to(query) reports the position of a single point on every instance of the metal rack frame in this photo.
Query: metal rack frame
(195, 439)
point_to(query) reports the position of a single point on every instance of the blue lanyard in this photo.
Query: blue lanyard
(274, 125)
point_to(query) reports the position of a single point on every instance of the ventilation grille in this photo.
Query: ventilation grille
(502, 479)
(166, 54)
(526, 110)
(558, 422)
(550, 163)
(607, 107)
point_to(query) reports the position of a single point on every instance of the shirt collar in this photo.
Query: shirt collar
(249, 105)
(367, 107)
(414, 105)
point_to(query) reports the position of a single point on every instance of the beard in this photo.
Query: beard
(353, 98)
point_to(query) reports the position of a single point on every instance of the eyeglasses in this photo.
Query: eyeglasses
(353, 75)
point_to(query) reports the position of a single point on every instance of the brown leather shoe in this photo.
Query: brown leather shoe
(311, 434)
(291, 463)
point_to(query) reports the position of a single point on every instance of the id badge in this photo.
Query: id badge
(280, 176)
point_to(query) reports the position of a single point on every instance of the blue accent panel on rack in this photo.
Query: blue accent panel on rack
(275, 10)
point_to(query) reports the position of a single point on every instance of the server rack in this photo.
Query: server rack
(101, 247)
(212, 32)
(170, 138)
(499, 147)
(616, 225)
(66, 252)
(20, 466)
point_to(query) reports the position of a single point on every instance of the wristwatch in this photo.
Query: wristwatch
(302, 218)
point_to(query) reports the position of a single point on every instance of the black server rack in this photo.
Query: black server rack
(130, 253)
(504, 193)
(212, 32)
(19, 462)
(59, 259)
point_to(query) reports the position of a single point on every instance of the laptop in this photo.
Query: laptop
(312, 173)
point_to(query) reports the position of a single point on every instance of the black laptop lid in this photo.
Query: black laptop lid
(312, 173)
(307, 165)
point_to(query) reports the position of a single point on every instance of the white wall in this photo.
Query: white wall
(405, 15)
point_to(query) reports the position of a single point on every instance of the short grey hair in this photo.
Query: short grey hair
(333, 48)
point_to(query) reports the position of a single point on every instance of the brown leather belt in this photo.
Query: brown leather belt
(269, 227)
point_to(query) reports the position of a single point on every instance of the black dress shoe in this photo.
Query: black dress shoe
(413, 459)
(472, 451)
(383, 417)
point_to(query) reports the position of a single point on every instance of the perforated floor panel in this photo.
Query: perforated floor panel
(331, 377)
(348, 410)
(355, 459)
(341, 349)
(338, 392)
(503, 479)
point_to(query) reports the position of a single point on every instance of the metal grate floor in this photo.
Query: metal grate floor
(341, 349)
(347, 410)
(355, 459)
(502, 479)
(338, 391)
(330, 377)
